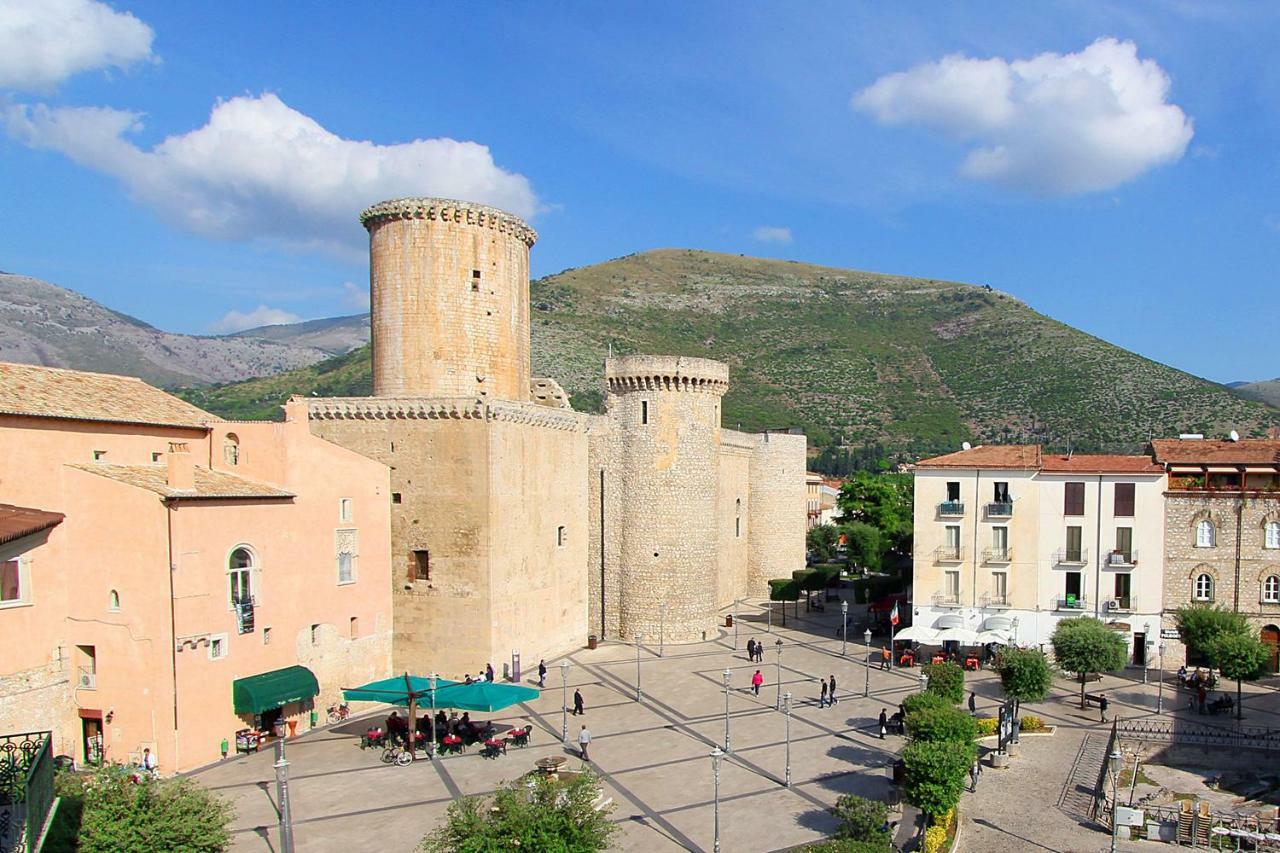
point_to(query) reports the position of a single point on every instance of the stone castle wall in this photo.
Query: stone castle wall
(776, 534)
(734, 513)
(449, 296)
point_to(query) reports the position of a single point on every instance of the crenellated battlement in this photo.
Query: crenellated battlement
(666, 373)
(447, 408)
(449, 210)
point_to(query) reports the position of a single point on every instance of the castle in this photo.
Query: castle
(521, 526)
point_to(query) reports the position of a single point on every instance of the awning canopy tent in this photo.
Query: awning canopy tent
(397, 690)
(916, 633)
(1000, 638)
(484, 696)
(963, 636)
(274, 689)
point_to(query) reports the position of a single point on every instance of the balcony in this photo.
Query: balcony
(1070, 602)
(1071, 556)
(87, 679)
(992, 599)
(948, 554)
(1123, 559)
(946, 599)
(1000, 509)
(951, 509)
(997, 555)
(1118, 605)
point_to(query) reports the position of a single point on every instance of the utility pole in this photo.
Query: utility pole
(787, 704)
(727, 674)
(778, 645)
(639, 640)
(564, 705)
(282, 792)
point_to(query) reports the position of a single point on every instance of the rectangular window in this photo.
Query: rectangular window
(1073, 590)
(953, 539)
(1000, 587)
(420, 568)
(355, 627)
(1124, 583)
(218, 647)
(1001, 493)
(266, 636)
(1075, 547)
(346, 568)
(87, 667)
(737, 527)
(1271, 535)
(560, 536)
(10, 582)
(315, 635)
(1124, 543)
(1074, 499)
(99, 455)
(396, 498)
(644, 411)
(1124, 500)
(1000, 541)
(952, 591)
(953, 491)
(156, 457)
(344, 509)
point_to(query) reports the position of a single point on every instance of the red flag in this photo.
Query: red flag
(893, 616)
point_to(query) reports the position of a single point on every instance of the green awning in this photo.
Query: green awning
(274, 689)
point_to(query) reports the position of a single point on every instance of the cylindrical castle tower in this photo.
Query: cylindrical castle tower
(449, 298)
(665, 437)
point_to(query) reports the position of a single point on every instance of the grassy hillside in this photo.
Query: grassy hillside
(1267, 391)
(912, 364)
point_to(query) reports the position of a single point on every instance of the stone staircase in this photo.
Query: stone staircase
(1078, 793)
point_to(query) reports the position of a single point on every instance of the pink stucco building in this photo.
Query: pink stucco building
(169, 578)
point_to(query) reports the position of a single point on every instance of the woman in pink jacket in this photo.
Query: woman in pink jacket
(756, 681)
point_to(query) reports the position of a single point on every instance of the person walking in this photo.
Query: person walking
(822, 700)
(1102, 706)
(577, 702)
(831, 690)
(751, 650)
(884, 657)
(488, 672)
(884, 723)
(756, 681)
(542, 673)
(584, 741)
(974, 772)
(973, 703)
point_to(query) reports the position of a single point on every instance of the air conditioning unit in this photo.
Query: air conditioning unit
(1113, 605)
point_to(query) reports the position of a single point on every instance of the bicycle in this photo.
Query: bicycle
(339, 712)
(397, 755)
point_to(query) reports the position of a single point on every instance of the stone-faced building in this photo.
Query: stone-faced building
(519, 524)
(1222, 533)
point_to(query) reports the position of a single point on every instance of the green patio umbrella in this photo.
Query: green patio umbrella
(486, 696)
(403, 690)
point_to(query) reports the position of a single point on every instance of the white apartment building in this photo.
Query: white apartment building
(1010, 539)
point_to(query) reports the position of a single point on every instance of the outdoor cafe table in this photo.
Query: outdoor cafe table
(939, 658)
(451, 743)
(971, 663)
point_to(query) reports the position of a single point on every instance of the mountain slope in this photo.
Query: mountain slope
(1267, 391)
(334, 335)
(41, 323)
(861, 357)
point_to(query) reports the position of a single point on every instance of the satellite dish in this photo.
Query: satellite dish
(966, 446)
(1233, 435)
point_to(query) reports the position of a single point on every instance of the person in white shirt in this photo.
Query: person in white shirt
(149, 762)
(584, 740)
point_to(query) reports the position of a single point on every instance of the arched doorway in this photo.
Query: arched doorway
(1271, 638)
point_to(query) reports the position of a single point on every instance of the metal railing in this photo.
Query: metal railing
(946, 599)
(1071, 556)
(992, 599)
(948, 554)
(1123, 602)
(951, 508)
(26, 789)
(1123, 558)
(997, 555)
(1070, 602)
(1203, 734)
(1000, 509)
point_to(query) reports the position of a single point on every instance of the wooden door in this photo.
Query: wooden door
(1271, 638)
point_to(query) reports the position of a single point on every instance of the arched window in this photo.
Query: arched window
(240, 568)
(1271, 535)
(1206, 536)
(1271, 589)
(113, 600)
(231, 449)
(1204, 587)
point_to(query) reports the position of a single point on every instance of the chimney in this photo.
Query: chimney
(182, 467)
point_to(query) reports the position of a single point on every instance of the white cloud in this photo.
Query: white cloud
(1055, 123)
(262, 170)
(238, 321)
(43, 42)
(772, 234)
(355, 296)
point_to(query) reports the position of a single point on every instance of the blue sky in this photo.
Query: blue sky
(1114, 165)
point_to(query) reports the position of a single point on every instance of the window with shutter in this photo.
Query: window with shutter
(1074, 503)
(1124, 500)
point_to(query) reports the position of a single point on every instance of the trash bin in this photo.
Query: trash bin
(592, 641)
(728, 620)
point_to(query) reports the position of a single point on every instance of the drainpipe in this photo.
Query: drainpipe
(1097, 573)
(173, 624)
(977, 503)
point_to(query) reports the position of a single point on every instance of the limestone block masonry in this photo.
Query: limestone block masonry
(449, 298)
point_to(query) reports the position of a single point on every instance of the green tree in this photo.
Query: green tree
(555, 815)
(862, 819)
(822, 541)
(925, 699)
(935, 773)
(944, 723)
(126, 814)
(1241, 657)
(1202, 624)
(881, 500)
(1085, 645)
(947, 680)
(784, 590)
(866, 545)
(1025, 675)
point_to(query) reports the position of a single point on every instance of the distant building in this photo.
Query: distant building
(1222, 534)
(1011, 539)
(167, 578)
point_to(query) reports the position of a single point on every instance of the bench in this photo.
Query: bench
(1091, 699)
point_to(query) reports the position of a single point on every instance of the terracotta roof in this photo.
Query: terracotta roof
(1025, 456)
(210, 484)
(50, 392)
(19, 521)
(1200, 451)
(1084, 463)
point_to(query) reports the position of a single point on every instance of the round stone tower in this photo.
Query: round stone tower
(664, 416)
(449, 298)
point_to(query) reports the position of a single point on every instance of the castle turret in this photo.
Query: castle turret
(449, 297)
(664, 414)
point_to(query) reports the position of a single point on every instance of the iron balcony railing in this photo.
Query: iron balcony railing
(1123, 558)
(946, 599)
(951, 508)
(1070, 602)
(1122, 602)
(26, 789)
(997, 555)
(1071, 556)
(993, 599)
(948, 554)
(1000, 509)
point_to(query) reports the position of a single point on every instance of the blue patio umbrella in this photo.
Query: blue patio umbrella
(402, 690)
(486, 696)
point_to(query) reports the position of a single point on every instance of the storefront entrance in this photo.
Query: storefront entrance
(91, 734)
(1271, 639)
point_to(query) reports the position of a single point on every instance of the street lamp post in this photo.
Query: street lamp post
(786, 701)
(716, 755)
(435, 745)
(844, 626)
(639, 640)
(564, 705)
(778, 645)
(1116, 757)
(282, 792)
(1146, 652)
(727, 674)
(866, 637)
(1160, 689)
(735, 623)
